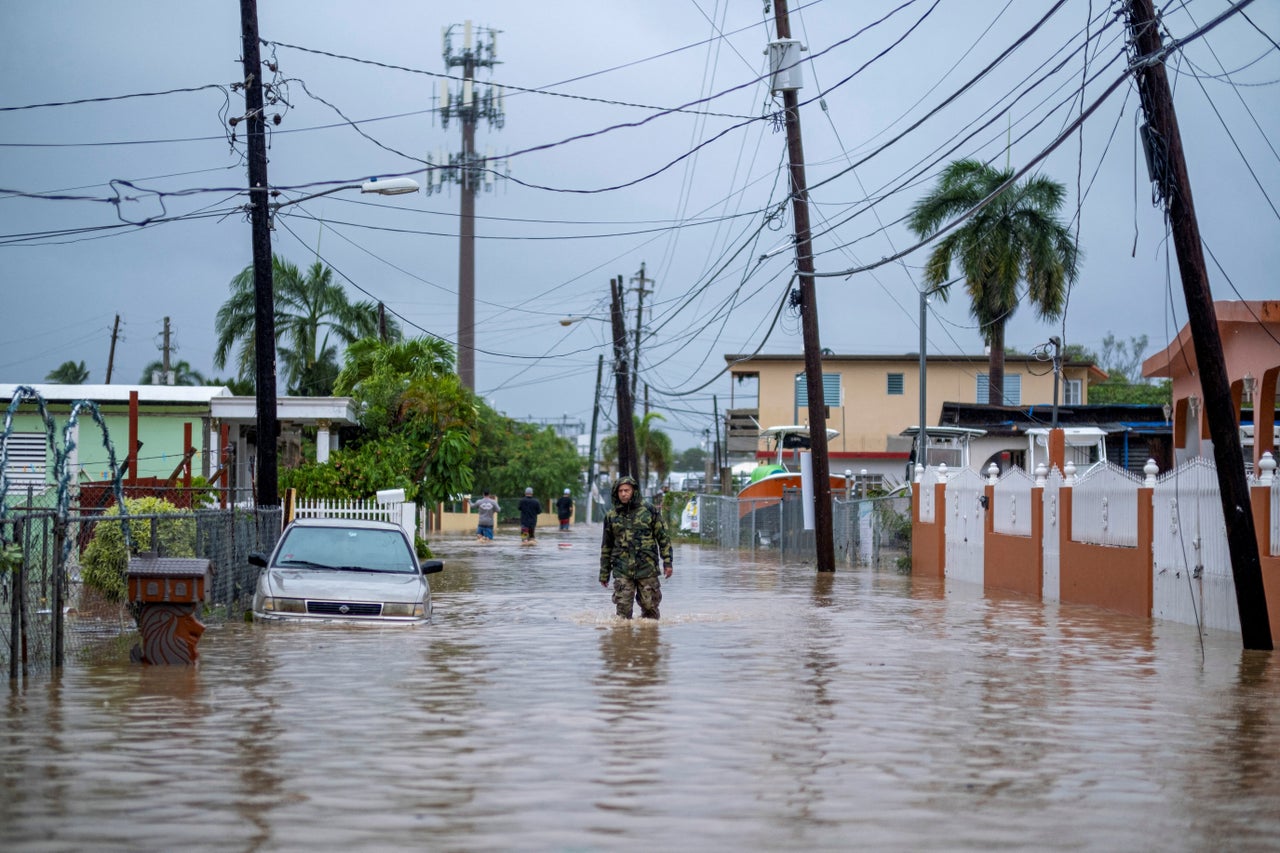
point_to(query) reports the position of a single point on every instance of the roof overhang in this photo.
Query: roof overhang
(339, 411)
(110, 394)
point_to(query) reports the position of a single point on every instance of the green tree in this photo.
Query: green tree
(418, 420)
(512, 455)
(654, 444)
(1016, 238)
(1140, 393)
(68, 373)
(313, 317)
(236, 385)
(182, 374)
(692, 459)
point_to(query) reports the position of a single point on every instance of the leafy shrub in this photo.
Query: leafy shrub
(105, 562)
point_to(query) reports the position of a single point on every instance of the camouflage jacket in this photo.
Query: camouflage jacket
(635, 537)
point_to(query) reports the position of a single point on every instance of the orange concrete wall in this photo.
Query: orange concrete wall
(929, 541)
(1012, 562)
(1261, 503)
(1116, 578)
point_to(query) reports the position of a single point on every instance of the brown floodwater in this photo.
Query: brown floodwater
(770, 709)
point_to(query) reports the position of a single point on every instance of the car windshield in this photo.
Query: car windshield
(345, 548)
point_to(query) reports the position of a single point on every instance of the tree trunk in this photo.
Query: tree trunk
(995, 371)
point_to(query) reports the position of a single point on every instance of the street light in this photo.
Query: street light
(389, 186)
(268, 424)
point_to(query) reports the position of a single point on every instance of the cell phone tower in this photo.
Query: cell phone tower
(467, 103)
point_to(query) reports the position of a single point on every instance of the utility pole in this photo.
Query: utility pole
(591, 454)
(922, 431)
(1056, 343)
(635, 353)
(1168, 169)
(784, 57)
(627, 452)
(111, 356)
(264, 327)
(382, 322)
(467, 170)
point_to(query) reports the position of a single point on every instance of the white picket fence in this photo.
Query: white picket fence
(403, 514)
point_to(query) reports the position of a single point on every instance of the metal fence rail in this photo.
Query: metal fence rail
(867, 531)
(49, 614)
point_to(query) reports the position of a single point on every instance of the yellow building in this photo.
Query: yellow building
(871, 399)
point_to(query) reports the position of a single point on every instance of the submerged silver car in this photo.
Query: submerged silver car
(343, 570)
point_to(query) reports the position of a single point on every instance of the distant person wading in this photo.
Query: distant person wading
(529, 507)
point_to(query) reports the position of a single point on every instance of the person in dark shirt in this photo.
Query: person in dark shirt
(564, 509)
(530, 507)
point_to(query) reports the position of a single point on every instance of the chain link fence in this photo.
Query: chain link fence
(53, 611)
(867, 531)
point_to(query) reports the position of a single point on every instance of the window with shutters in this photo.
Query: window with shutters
(893, 385)
(26, 463)
(830, 391)
(1012, 389)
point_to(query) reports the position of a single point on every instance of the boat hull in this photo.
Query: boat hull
(769, 490)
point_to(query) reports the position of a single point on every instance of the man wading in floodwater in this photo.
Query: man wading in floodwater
(635, 536)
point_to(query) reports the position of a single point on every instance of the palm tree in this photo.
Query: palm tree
(68, 373)
(654, 444)
(182, 374)
(313, 318)
(412, 359)
(1015, 238)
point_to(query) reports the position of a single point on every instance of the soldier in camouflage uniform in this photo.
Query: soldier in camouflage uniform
(635, 536)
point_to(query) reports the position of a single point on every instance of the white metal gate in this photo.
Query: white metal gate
(965, 535)
(1192, 563)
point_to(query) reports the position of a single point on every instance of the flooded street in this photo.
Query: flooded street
(768, 710)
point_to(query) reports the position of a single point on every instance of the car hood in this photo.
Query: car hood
(345, 586)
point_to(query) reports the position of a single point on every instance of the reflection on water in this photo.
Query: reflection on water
(771, 708)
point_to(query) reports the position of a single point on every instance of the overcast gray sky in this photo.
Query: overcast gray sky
(893, 91)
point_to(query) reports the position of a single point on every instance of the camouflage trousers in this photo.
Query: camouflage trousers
(647, 591)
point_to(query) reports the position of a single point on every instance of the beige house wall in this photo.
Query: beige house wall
(868, 414)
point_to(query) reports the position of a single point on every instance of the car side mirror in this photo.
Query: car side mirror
(430, 567)
(256, 559)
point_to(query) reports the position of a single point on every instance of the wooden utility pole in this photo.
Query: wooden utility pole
(627, 452)
(635, 352)
(264, 323)
(1169, 172)
(591, 453)
(111, 356)
(824, 540)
